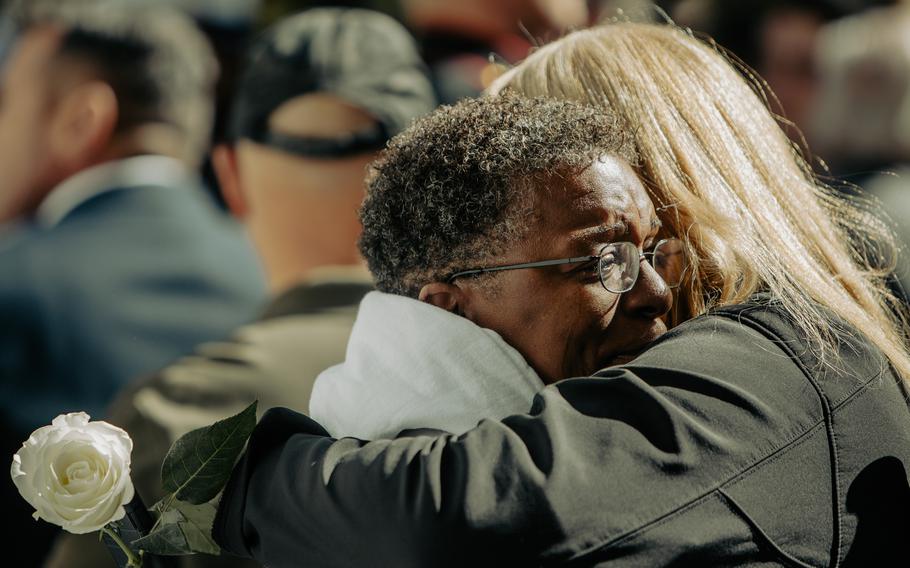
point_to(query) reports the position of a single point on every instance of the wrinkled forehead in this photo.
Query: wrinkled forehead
(607, 193)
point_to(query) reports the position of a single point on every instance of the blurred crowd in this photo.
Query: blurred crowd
(180, 182)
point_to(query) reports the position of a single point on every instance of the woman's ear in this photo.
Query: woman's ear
(449, 297)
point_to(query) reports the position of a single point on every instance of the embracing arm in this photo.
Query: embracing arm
(594, 459)
(403, 502)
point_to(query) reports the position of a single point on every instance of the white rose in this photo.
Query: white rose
(75, 473)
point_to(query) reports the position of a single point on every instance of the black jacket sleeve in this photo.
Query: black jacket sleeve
(595, 459)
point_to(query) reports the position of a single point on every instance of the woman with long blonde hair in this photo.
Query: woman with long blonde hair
(769, 426)
(755, 216)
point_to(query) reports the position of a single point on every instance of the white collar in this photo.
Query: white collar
(412, 365)
(148, 170)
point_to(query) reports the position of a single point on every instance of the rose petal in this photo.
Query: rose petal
(75, 473)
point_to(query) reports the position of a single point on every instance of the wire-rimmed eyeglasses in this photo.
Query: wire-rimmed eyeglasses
(617, 264)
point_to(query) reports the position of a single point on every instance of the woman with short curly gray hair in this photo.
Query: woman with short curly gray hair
(461, 193)
(457, 187)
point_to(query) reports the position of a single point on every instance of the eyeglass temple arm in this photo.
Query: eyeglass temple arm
(538, 264)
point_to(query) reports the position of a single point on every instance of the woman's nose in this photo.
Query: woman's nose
(650, 297)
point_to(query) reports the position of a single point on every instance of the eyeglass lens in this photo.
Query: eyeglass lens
(620, 263)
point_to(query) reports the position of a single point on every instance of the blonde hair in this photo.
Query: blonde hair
(753, 215)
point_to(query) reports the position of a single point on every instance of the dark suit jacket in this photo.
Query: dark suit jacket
(124, 284)
(724, 444)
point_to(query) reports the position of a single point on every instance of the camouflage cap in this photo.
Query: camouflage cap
(365, 58)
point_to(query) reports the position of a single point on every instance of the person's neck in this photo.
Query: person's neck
(289, 268)
(148, 139)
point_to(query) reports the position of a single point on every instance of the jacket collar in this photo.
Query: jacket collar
(148, 170)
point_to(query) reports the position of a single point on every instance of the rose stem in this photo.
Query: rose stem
(132, 558)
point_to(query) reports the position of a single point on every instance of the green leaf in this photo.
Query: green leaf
(161, 506)
(171, 517)
(184, 529)
(199, 464)
(167, 540)
(197, 527)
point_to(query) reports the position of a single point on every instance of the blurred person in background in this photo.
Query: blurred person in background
(775, 38)
(458, 38)
(861, 126)
(113, 262)
(321, 93)
(229, 26)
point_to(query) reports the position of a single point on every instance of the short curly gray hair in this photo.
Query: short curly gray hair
(458, 187)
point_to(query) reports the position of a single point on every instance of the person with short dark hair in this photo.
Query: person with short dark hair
(152, 64)
(321, 92)
(113, 261)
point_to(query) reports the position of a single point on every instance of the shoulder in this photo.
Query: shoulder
(731, 413)
(706, 404)
(26, 263)
(716, 375)
(751, 347)
(161, 235)
(274, 361)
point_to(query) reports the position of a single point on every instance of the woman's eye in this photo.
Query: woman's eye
(589, 268)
